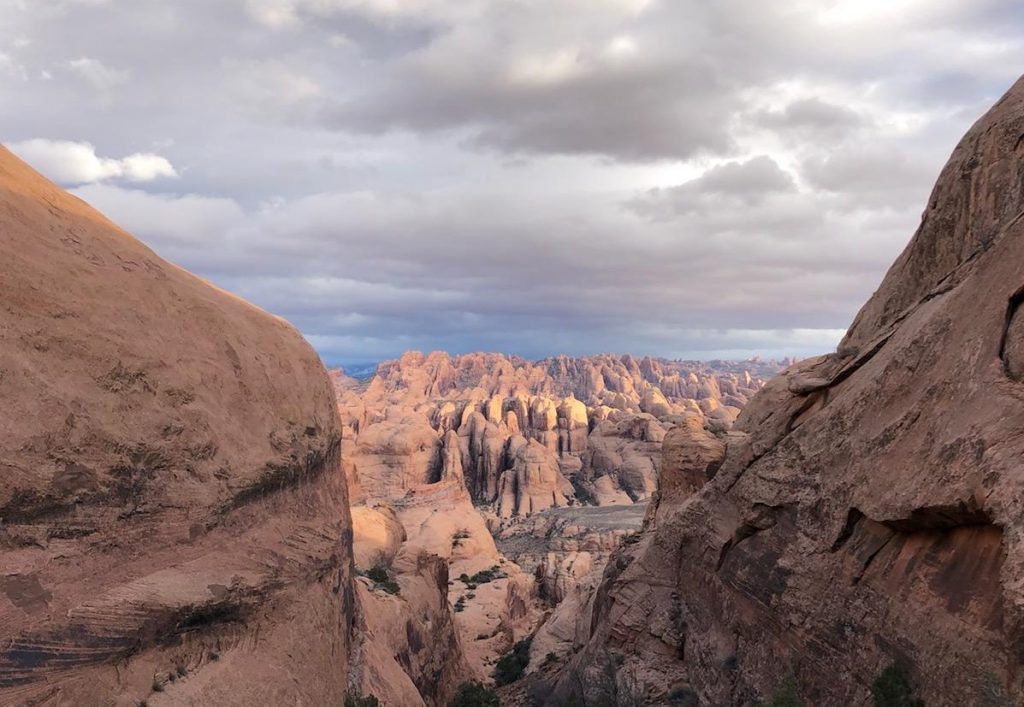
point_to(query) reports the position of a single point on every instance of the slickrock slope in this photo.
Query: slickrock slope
(869, 506)
(173, 516)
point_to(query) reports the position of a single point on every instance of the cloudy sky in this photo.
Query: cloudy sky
(684, 178)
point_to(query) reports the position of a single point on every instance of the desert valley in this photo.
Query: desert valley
(488, 494)
(195, 510)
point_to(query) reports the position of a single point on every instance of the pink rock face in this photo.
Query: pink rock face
(534, 483)
(585, 411)
(869, 506)
(174, 516)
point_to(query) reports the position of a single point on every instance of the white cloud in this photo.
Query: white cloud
(288, 13)
(72, 163)
(268, 88)
(167, 221)
(97, 74)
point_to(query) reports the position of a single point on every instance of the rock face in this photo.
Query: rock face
(869, 506)
(534, 483)
(397, 655)
(534, 446)
(441, 622)
(173, 516)
(602, 418)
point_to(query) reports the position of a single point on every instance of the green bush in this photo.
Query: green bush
(378, 573)
(473, 694)
(459, 535)
(382, 580)
(482, 577)
(785, 694)
(631, 539)
(355, 699)
(510, 667)
(892, 688)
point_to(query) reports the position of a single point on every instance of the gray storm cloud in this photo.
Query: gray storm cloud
(676, 178)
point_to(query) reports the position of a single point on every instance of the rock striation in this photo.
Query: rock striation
(174, 522)
(867, 507)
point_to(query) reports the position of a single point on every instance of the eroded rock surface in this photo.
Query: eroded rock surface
(457, 448)
(869, 506)
(602, 418)
(173, 517)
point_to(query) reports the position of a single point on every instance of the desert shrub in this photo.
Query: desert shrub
(382, 580)
(378, 573)
(459, 535)
(510, 667)
(631, 539)
(482, 577)
(785, 694)
(683, 696)
(892, 688)
(356, 699)
(473, 694)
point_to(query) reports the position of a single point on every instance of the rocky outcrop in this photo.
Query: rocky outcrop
(393, 455)
(534, 483)
(868, 509)
(623, 458)
(173, 520)
(437, 604)
(691, 456)
(400, 631)
(603, 418)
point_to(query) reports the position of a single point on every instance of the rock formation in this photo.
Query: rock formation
(603, 418)
(173, 517)
(531, 444)
(534, 483)
(449, 613)
(867, 508)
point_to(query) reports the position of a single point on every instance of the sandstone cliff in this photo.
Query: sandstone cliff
(174, 522)
(867, 509)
